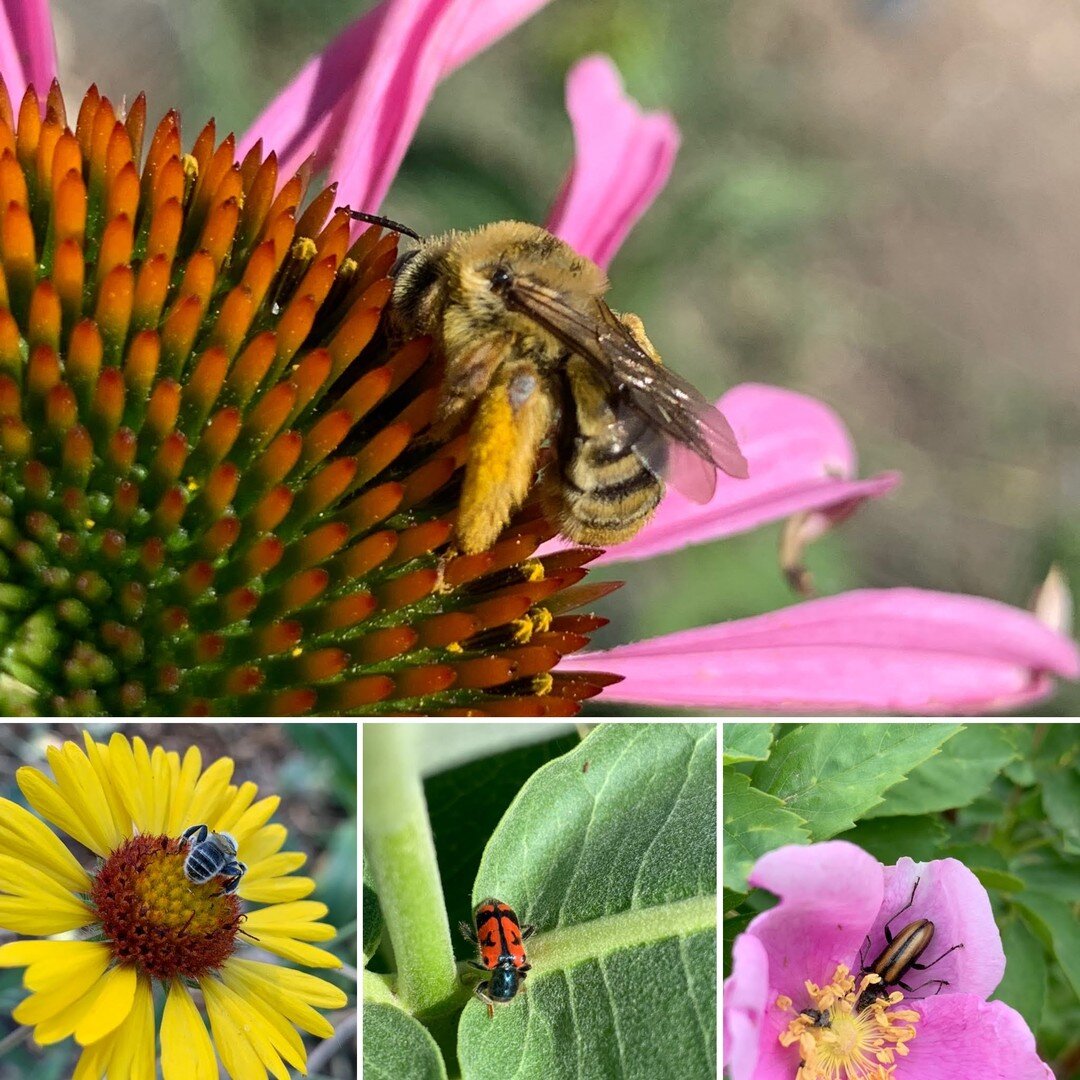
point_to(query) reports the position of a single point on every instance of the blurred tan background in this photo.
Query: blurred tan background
(877, 202)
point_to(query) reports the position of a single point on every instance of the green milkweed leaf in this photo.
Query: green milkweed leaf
(616, 867)
(397, 1047)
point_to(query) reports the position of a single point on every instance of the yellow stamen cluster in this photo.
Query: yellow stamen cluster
(837, 1043)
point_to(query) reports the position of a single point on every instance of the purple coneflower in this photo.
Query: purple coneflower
(217, 496)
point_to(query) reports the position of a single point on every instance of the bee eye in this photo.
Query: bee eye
(501, 279)
(402, 261)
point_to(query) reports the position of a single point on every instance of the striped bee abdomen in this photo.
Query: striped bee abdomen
(204, 862)
(603, 493)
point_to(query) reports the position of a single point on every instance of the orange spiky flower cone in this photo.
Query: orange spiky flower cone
(215, 492)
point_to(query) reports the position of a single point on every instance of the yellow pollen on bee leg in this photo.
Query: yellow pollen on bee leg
(505, 436)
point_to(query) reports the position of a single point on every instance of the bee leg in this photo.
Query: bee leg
(527, 931)
(462, 384)
(233, 872)
(467, 932)
(511, 421)
(443, 561)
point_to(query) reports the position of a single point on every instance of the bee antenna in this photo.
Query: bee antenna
(387, 223)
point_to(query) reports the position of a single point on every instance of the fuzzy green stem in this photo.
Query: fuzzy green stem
(401, 856)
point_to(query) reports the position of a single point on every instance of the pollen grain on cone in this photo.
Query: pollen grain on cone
(216, 494)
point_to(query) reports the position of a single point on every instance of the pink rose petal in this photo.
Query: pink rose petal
(746, 1003)
(960, 1032)
(879, 651)
(623, 158)
(27, 47)
(355, 107)
(800, 456)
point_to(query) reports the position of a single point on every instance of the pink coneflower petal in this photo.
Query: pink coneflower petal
(888, 650)
(801, 459)
(27, 46)
(623, 158)
(356, 105)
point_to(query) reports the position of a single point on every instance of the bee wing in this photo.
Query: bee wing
(676, 433)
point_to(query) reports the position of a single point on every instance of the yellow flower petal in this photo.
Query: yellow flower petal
(186, 1050)
(210, 790)
(81, 786)
(309, 988)
(133, 1041)
(61, 1024)
(184, 786)
(255, 817)
(26, 837)
(98, 756)
(164, 767)
(115, 995)
(25, 916)
(295, 919)
(51, 956)
(301, 984)
(298, 952)
(53, 805)
(59, 980)
(233, 807)
(269, 840)
(37, 903)
(53, 964)
(231, 1035)
(262, 982)
(276, 890)
(284, 1037)
(130, 781)
(285, 862)
(94, 1060)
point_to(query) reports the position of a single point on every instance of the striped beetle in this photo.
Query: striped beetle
(900, 956)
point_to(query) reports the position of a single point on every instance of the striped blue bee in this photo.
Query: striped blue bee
(210, 855)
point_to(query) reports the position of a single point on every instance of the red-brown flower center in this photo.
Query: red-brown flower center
(152, 915)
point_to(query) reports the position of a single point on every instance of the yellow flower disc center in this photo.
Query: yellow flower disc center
(154, 916)
(837, 1042)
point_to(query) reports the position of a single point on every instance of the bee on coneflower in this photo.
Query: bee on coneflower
(215, 491)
